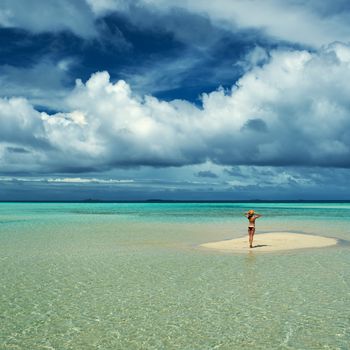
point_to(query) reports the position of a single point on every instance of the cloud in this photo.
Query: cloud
(243, 182)
(189, 55)
(206, 173)
(318, 23)
(255, 125)
(101, 7)
(162, 75)
(68, 180)
(48, 16)
(272, 177)
(170, 54)
(44, 83)
(293, 110)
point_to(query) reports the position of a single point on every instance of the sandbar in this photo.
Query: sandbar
(272, 242)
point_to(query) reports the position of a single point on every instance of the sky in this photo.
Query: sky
(179, 100)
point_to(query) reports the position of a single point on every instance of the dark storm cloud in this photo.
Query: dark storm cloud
(234, 171)
(17, 150)
(290, 182)
(255, 125)
(257, 183)
(206, 173)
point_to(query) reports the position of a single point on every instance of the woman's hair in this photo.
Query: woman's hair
(250, 213)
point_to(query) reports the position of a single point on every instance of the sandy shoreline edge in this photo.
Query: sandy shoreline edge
(272, 242)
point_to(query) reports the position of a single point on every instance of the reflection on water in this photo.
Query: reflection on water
(251, 278)
(250, 258)
(119, 280)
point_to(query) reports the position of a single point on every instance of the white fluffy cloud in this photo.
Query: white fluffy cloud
(293, 110)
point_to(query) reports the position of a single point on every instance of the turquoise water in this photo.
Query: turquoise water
(131, 276)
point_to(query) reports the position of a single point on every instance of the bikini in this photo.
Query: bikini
(251, 224)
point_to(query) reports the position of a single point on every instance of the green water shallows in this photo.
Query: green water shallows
(131, 276)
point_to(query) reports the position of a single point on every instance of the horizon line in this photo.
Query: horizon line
(182, 201)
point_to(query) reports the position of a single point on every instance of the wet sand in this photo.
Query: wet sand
(272, 242)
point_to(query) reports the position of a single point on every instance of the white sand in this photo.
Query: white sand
(272, 242)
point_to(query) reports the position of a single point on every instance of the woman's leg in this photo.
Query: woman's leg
(250, 233)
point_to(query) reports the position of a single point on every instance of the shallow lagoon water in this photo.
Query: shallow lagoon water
(131, 276)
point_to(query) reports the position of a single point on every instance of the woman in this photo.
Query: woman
(251, 216)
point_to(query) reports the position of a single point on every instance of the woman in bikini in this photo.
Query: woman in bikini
(251, 216)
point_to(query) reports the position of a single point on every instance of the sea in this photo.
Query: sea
(133, 276)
